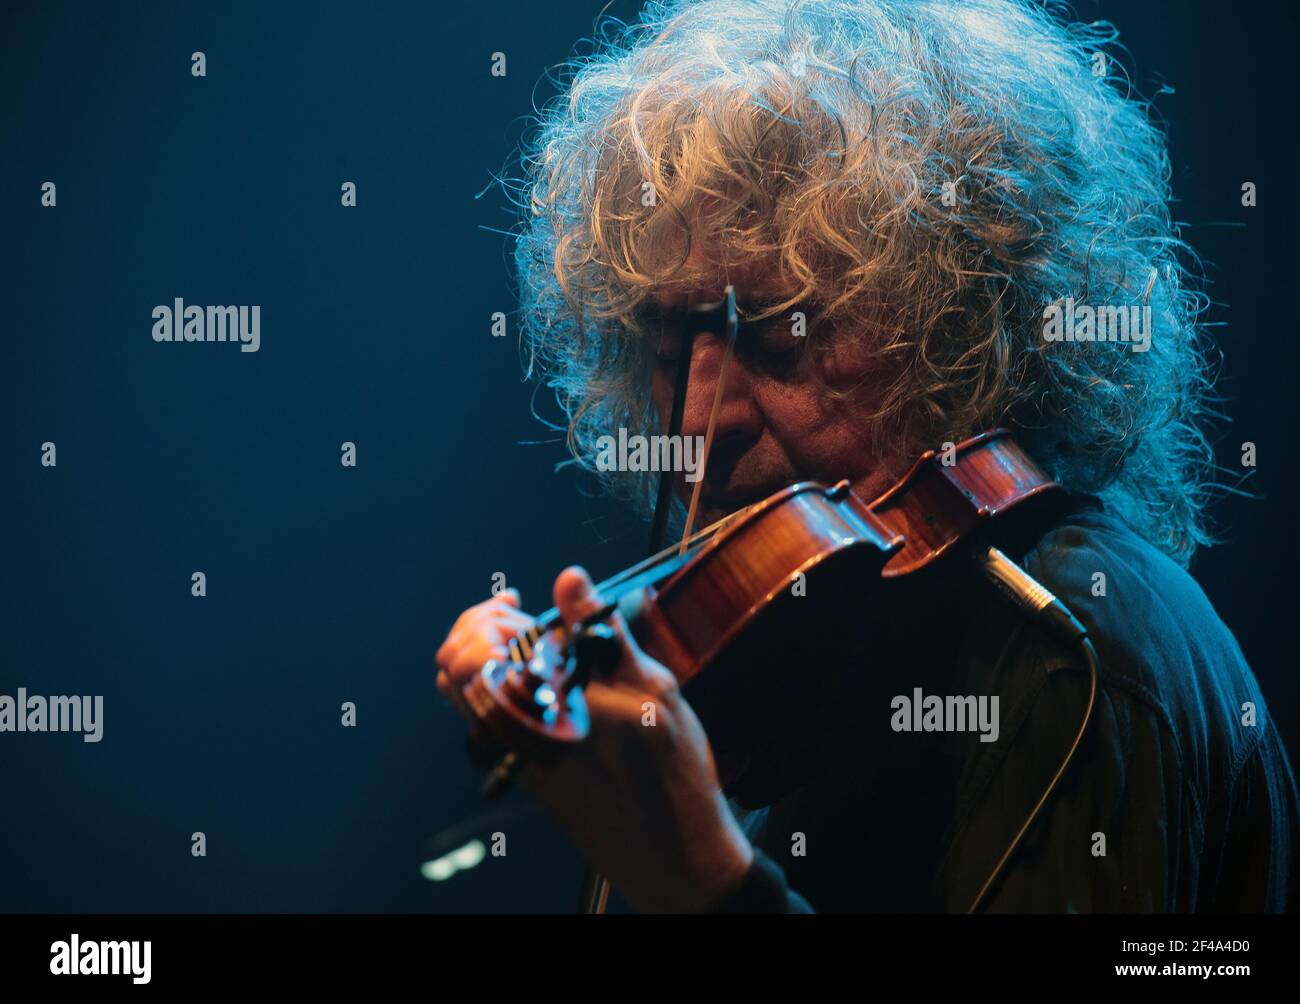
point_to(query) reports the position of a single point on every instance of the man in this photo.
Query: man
(938, 218)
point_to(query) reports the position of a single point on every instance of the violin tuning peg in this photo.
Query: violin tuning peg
(596, 648)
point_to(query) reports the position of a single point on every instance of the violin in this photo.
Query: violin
(716, 608)
(707, 610)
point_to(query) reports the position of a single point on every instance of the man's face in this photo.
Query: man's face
(776, 422)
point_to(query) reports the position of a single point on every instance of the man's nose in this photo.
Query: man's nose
(739, 420)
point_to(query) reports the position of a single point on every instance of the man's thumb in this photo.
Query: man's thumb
(575, 595)
(576, 598)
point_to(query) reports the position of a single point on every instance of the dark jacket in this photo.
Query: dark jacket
(1180, 798)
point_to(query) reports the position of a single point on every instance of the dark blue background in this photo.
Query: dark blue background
(328, 584)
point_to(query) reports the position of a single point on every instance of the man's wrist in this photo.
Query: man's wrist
(762, 889)
(723, 871)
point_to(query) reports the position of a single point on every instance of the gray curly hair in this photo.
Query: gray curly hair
(823, 136)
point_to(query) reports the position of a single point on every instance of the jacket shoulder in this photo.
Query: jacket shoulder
(1159, 640)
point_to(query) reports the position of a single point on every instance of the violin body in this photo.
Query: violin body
(750, 569)
(752, 590)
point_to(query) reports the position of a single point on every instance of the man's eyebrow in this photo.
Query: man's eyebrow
(748, 309)
(768, 306)
(647, 314)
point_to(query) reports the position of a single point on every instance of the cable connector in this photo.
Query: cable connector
(1030, 595)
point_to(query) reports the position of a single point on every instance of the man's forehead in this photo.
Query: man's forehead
(754, 283)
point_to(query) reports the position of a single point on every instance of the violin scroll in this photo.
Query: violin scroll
(536, 708)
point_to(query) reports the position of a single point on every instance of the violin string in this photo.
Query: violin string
(700, 536)
(522, 644)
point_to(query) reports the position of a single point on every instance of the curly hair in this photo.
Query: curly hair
(932, 175)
